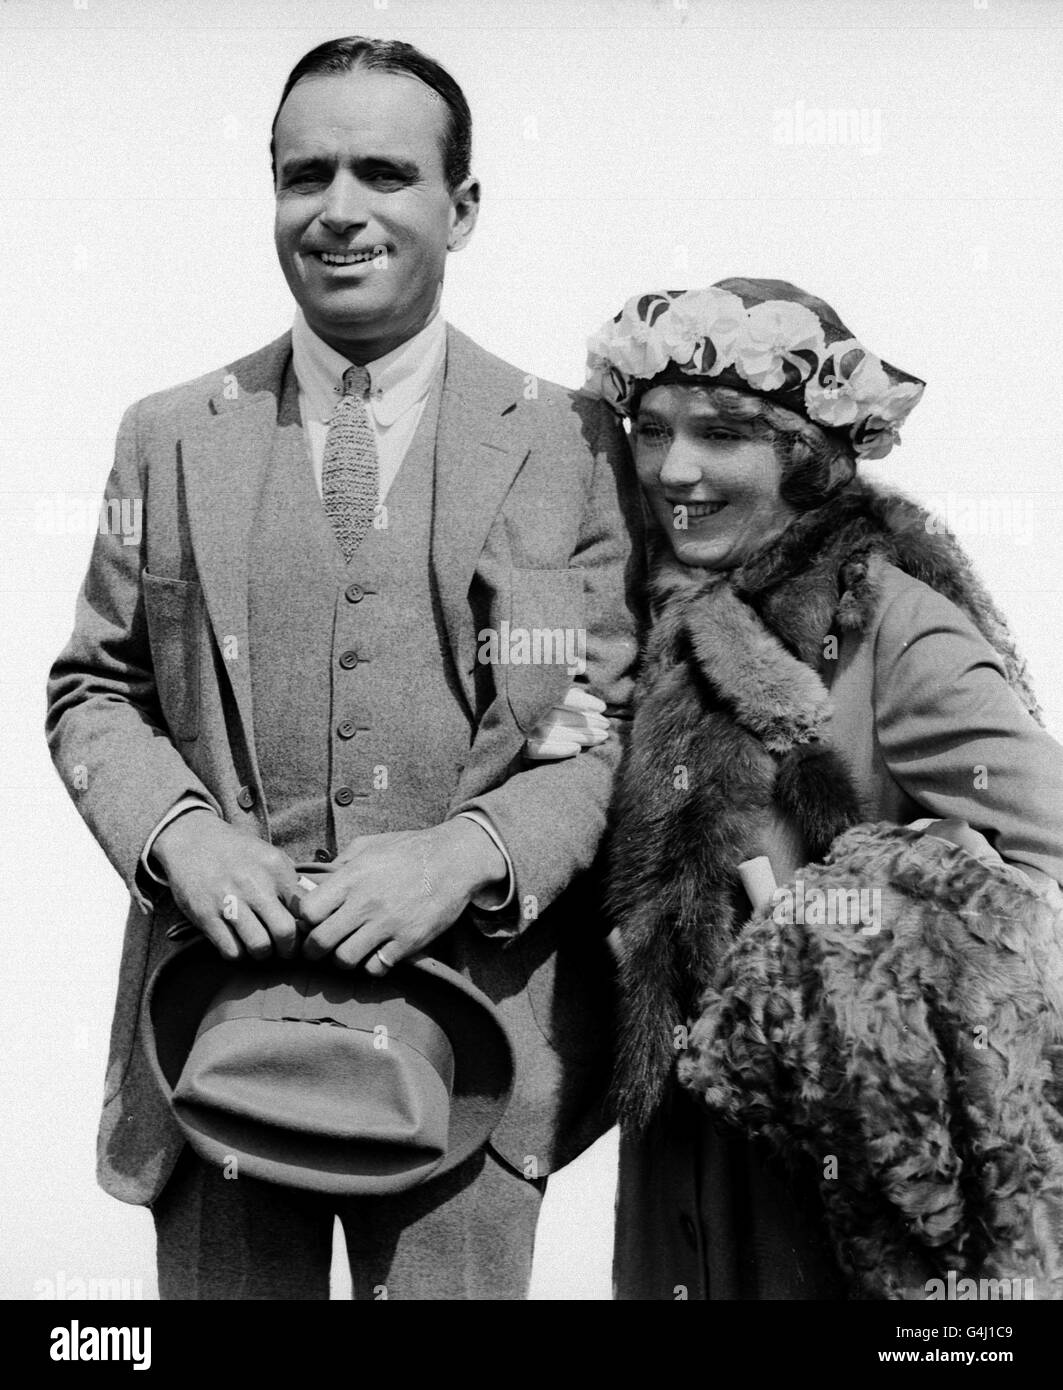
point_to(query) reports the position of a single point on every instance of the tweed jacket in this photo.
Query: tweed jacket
(150, 701)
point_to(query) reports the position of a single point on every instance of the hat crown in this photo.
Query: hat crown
(324, 1079)
(767, 337)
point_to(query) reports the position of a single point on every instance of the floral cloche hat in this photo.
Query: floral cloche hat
(766, 336)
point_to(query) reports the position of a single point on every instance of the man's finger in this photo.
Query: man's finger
(279, 923)
(330, 893)
(328, 935)
(363, 945)
(220, 936)
(249, 931)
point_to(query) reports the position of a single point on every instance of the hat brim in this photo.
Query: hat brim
(178, 995)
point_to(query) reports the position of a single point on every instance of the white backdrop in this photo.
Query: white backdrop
(899, 159)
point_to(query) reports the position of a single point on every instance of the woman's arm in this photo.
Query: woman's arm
(955, 736)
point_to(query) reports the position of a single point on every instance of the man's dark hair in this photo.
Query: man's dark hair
(391, 55)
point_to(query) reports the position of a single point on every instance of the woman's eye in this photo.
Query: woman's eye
(650, 434)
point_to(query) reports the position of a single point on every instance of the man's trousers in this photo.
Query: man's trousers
(466, 1235)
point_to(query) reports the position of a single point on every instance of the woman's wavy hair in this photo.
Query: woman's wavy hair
(815, 463)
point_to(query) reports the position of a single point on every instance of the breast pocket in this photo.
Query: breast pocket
(543, 646)
(174, 610)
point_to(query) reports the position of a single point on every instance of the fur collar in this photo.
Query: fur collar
(729, 714)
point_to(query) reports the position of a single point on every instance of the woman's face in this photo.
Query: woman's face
(711, 482)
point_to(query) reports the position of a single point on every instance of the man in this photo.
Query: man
(295, 664)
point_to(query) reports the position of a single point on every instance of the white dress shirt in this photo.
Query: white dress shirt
(399, 385)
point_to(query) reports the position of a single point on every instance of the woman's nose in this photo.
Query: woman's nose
(681, 467)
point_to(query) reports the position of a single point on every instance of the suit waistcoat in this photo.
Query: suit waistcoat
(357, 724)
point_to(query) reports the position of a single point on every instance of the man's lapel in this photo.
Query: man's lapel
(479, 452)
(226, 457)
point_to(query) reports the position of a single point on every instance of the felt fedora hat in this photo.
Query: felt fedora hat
(326, 1079)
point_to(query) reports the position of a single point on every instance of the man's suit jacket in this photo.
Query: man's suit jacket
(151, 700)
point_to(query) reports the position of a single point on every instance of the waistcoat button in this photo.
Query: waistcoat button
(344, 796)
(245, 798)
(323, 856)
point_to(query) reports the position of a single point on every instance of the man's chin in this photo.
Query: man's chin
(335, 312)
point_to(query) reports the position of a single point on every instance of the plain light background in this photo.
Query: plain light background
(623, 146)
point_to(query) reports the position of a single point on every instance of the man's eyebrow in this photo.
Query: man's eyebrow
(405, 168)
(408, 168)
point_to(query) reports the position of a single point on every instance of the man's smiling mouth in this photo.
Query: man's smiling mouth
(346, 257)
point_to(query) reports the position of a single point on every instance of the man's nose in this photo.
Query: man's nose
(345, 204)
(682, 467)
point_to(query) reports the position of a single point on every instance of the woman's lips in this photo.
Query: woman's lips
(697, 511)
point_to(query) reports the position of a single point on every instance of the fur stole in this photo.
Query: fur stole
(729, 712)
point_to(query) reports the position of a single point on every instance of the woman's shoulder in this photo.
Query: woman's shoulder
(908, 612)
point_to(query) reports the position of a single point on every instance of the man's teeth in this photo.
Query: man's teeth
(348, 258)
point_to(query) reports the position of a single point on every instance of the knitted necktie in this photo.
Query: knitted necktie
(350, 470)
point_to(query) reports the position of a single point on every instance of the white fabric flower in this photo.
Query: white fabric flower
(606, 382)
(781, 345)
(699, 315)
(876, 434)
(849, 382)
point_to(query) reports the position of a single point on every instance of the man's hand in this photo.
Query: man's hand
(396, 893)
(239, 891)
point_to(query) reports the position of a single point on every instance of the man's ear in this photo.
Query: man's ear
(465, 208)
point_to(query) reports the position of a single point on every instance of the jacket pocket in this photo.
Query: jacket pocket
(174, 610)
(542, 648)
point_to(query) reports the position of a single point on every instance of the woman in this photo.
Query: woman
(821, 655)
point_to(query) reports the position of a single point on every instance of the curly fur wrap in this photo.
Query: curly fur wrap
(919, 1058)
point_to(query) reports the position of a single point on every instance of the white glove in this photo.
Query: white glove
(577, 722)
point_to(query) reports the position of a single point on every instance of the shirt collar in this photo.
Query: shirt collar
(397, 381)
